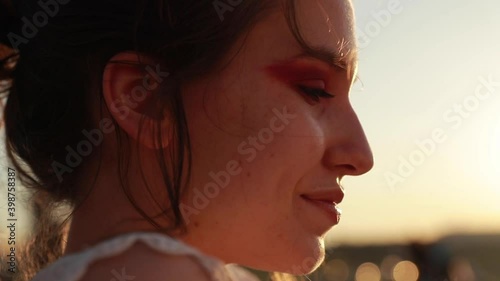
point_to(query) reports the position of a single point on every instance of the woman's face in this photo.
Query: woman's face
(260, 144)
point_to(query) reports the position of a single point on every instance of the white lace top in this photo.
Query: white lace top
(73, 267)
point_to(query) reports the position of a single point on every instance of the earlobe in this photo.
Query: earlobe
(131, 88)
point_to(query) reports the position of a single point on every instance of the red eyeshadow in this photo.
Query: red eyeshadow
(295, 71)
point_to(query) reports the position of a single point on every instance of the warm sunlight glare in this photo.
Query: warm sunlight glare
(492, 175)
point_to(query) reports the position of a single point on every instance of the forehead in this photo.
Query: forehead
(328, 25)
(331, 16)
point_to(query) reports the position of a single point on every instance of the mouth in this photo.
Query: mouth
(328, 208)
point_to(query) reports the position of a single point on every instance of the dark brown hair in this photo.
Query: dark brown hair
(58, 67)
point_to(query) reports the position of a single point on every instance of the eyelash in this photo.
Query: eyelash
(315, 94)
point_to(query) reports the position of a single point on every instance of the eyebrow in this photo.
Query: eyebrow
(346, 61)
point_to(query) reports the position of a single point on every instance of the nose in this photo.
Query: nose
(347, 151)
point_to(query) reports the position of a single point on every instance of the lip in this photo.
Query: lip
(328, 208)
(333, 194)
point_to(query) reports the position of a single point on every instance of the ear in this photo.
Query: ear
(131, 87)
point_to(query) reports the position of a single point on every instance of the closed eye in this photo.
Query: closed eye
(315, 94)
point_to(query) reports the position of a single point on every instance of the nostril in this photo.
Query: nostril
(347, 169)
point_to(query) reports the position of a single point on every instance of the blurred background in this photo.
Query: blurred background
(429, 100)
(430, 208)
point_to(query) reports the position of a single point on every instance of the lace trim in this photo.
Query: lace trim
(73, 267)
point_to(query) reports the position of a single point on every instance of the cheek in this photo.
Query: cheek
(284, 139)
(268, 130)
(273, 162)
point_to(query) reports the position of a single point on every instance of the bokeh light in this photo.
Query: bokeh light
(405, 271)
(336, 270)
(461, 270)
(368, 272)
(388, 264)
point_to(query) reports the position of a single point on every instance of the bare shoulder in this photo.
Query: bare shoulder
(142, 263)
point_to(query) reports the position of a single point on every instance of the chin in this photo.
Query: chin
(308, 264)
(289, 256)
(305, 260)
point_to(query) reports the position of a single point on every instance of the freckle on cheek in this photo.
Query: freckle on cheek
(249, 174)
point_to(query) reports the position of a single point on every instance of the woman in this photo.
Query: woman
(186, 135)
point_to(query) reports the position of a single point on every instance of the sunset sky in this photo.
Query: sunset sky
(418, 69)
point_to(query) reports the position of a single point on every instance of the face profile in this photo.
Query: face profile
(320, 141)
(224, 131)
